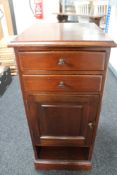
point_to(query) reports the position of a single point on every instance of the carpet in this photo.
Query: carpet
(16, 154)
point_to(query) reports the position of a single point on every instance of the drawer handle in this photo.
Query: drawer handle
(91, 125)
(61, 61)
(61, 84)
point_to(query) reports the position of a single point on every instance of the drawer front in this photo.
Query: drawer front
(63, 83)
(62, 60)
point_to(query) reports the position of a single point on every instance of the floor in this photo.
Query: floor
(16, 154)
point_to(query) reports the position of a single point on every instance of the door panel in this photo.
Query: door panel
(55, 116)
(62, 119)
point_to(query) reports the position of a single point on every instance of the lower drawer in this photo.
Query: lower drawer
(65, 83)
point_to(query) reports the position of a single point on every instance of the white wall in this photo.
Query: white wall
(113, 34)
(25, 18)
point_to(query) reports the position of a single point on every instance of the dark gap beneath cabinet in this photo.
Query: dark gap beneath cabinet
(62, 153)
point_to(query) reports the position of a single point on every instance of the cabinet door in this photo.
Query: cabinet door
(62, 120)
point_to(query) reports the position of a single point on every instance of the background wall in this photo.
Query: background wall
(113, 34)
(25, 18)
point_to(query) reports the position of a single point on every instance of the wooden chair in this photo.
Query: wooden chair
(100, 7)
(91, 10)
(82, 8)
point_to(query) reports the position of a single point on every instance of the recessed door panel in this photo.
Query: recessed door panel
(64, 120)
(61, 119)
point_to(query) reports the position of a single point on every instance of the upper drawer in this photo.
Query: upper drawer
(62, 60)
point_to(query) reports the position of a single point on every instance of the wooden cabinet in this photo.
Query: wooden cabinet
(62, 75)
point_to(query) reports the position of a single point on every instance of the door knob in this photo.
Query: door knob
(61, 84)
(61, 61)
(91, 125)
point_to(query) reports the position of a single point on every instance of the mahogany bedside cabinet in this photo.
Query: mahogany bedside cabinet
(62, 69)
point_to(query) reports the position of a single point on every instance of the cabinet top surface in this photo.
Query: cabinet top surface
(63, 34)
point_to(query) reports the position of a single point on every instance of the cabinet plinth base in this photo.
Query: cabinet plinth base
(62, 165)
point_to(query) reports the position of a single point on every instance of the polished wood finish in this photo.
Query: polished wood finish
(64, 35)
(62, 83)
(62, 69)
(62, 121)
(62, 164)
(56, 60)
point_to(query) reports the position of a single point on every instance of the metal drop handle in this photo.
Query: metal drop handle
(61, 84)
(61, 61)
